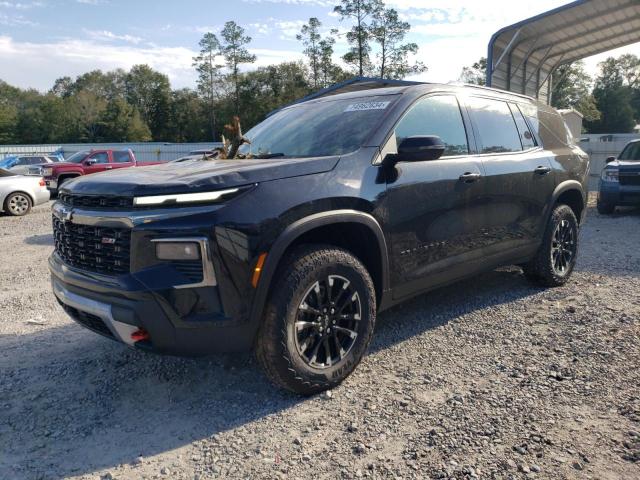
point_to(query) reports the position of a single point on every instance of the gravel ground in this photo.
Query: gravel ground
(490, 378)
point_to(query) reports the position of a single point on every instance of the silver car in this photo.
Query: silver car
(18, 193)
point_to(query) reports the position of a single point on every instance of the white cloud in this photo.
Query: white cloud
(105, 35)
(15, 21)
(37, 65)
(20, 5)
(319, 3)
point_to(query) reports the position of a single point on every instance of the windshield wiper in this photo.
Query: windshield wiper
(263, 156)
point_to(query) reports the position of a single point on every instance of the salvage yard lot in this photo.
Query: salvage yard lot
(488, 378)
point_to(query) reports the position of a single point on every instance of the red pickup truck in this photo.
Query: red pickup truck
(87, 162)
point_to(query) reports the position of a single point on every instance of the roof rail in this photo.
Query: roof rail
(490, 89)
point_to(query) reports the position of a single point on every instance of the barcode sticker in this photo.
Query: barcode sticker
(358, 107)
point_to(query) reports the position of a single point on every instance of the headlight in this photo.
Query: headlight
(609, 175)
(47, 171)
(202, 197)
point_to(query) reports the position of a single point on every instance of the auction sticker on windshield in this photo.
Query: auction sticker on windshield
(358, 107)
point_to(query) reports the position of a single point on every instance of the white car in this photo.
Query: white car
(18, 193)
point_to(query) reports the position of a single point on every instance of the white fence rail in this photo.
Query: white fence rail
(599, 147)
(145, 152)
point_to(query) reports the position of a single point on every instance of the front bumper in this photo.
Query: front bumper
(117, 308)
(52, 183)
(613, 193)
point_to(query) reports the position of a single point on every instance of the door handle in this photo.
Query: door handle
(109, 167)
(541, 170)
(469, 177)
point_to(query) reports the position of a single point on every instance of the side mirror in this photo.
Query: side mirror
(419, 148)
(91, 161)
(610, 159)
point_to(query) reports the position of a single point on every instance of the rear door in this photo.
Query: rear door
(519, 176)
(434, 208)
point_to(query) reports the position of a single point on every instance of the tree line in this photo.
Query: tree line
(139, 105)
(610, 102)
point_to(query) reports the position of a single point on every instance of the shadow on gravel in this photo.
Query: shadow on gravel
(437, 308)
(45, 239)
(74, 403)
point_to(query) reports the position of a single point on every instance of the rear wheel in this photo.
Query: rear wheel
(605, 208)
(556, 257)
(318, 321)
(17, 204)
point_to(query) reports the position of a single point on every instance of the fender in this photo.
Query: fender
(563, 187)
(297, 228)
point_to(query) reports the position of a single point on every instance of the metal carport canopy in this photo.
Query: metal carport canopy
(523, 56)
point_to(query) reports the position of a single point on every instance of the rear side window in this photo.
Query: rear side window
(121, 157)
(438, 115)
(495, 124)
(526, 138)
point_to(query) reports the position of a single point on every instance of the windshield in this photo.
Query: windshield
(631, 152)
(77, 157)
(319, 129)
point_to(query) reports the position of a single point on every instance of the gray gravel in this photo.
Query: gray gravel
(490, 378)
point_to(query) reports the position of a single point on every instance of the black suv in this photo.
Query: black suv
(343, 206)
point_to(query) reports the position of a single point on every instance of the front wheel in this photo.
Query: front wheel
(18, 204)
(556, 257)
(318, 321)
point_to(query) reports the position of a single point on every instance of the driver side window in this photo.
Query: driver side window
(102, 157)
(436, 115)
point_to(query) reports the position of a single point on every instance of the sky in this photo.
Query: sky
(41, 40)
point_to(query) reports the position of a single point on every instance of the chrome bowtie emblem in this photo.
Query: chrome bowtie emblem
(66, 214)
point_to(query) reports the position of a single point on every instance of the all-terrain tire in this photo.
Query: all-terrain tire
(542, 269)
(297, 288)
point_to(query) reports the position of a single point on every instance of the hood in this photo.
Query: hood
(196, 176)
(625, 164)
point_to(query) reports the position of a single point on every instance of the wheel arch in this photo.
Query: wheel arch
(302, 231)
(67, 176)
(571, 193)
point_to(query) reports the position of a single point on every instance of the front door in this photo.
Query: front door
(96, 162)
(435, 209)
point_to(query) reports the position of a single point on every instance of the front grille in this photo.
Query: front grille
(632, 179)
(95, 201)
(89, 320)
(97, 249)
(190, 269)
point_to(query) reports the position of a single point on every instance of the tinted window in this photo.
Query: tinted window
(102, 157)
(326, 127)
(495, 124)
(36, 160)
(631, 152)
(438, 115)
(121, 157)
(526, 138)
(22, 161)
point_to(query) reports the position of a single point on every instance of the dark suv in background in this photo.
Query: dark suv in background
(620, 180)
(342, 207)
